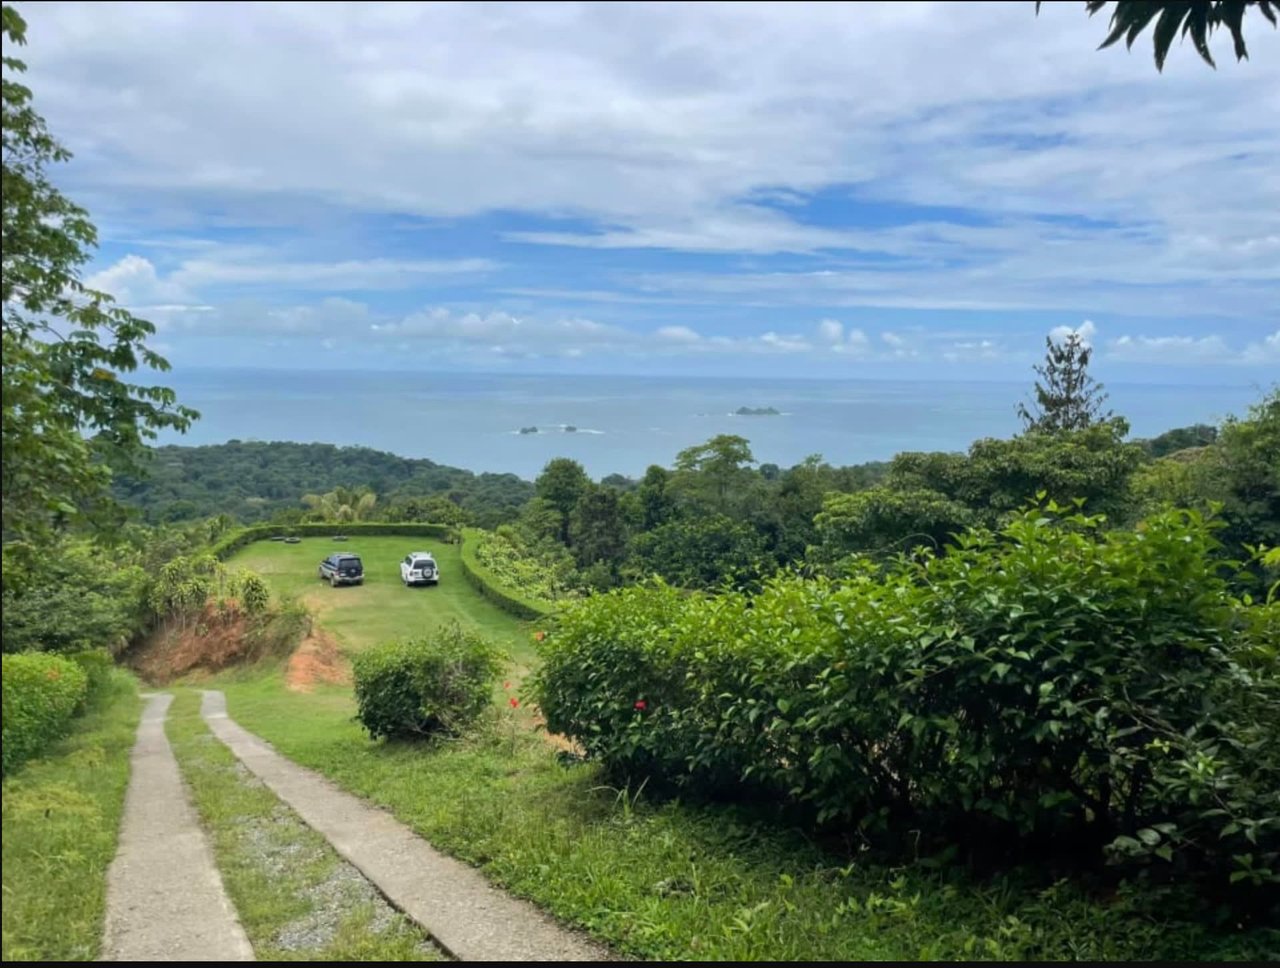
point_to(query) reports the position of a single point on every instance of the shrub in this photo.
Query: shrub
(1050, 681)
(438, 683)
(229, 544)
(97, 665)
(255, 594)
(41, 694)
(491, 586)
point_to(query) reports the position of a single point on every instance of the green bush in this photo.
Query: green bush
(1047, 682)
(97, 665)
(225, 547)
(68, 597)
(438, 683)
(487, 584)
(41, 694)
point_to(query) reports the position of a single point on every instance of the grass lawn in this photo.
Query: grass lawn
(296, 898)
(383, 608)
(61, 823)
(673, 882)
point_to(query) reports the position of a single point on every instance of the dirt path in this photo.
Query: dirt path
(467, 916)
(165, 900)
(317, 660)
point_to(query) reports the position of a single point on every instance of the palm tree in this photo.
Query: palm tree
(342, 504)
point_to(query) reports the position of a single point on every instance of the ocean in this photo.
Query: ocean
(624, 424)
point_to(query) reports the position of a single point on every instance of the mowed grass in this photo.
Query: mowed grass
(672, 882)
(61, 822)
(383, 608)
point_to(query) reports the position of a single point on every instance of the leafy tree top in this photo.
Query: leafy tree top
(1197, 19)
(1067, 397)
(68, 416)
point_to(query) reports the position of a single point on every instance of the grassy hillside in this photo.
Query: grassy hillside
(383, 608)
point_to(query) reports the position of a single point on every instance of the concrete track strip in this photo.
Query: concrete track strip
(463, 912)
(165, 900)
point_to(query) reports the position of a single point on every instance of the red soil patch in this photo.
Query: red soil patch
(317, 660)
(212, 641)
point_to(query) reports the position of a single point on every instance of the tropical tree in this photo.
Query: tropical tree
(701, 552)
(342, 504)
(654, 500)
(715, 476)
(69, 416)
(597, 530)
(884, 521)
(1197, 19)
(561, 483)
(1068, 398)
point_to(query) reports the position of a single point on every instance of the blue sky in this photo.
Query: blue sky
(868, 190)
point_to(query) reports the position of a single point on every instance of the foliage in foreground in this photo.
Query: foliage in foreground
(1173, 17)
(69, 414)
(1047, 683)
(438, 683)
(70, 596)
(61, 823)
(41, 694)
(675, 882)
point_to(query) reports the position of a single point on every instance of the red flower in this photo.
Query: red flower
(513, 702)
(641, 704)
(539, 636)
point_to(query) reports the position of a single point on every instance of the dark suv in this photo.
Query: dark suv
(342, 569)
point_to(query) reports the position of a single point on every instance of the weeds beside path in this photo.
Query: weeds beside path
(61, 820)
(467, 916)
(296, 898)
(672, 882)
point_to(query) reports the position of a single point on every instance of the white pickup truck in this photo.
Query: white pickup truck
(419, 568)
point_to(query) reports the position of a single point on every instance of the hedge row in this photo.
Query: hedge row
(475, 573)
(41, 694)
(512, 602)
(1052, 683)
(227, 546)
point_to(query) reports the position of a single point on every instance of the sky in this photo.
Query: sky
(896, 190)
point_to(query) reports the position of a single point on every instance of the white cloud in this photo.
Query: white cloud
(134, 283)
(893, 339)
(1169, 349)
(831, 333)
(1086, 331)
(694, 126)
(1267, 350)
(353, 274)
(677, 334)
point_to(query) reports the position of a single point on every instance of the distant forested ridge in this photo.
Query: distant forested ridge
(253, 481)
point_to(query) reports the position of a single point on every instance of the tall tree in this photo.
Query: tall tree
(1197, 19)
(1067, 397)
(561, 483)
(716, 476)
(597, 529)
(654, 498)
(69, 417)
